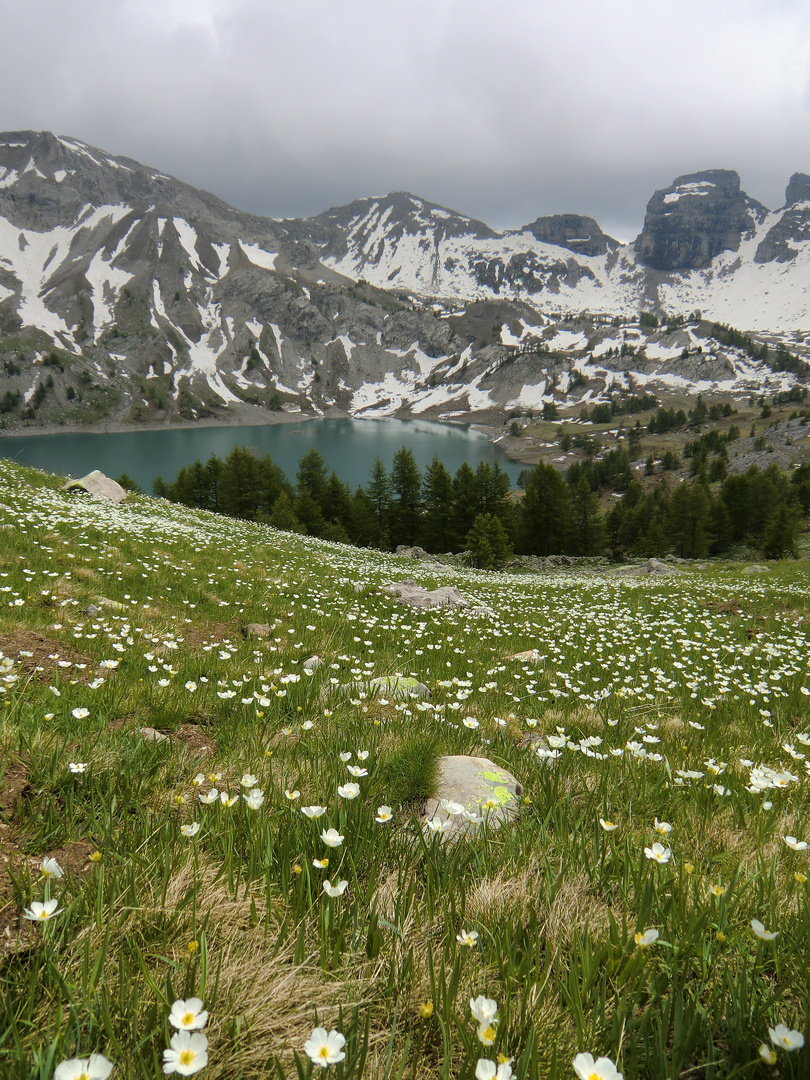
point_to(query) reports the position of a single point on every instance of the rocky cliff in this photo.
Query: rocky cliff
(696, 218)
(784, 239)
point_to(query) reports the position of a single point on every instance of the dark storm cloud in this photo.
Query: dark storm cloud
(502, 113)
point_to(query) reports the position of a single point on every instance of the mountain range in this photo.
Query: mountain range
(127, 295)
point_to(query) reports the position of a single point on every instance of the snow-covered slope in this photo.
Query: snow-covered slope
(438, 257)
(127, 294)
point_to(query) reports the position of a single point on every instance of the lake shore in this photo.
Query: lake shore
(243, 415)
(519, 450)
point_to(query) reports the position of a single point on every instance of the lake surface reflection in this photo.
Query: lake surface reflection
(349, 447)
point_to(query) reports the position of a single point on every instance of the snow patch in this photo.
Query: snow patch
(277, 336)
(224, 253)
(699, 187)
(507, 337)
(531, 396)
(258, 256)
(188, 240)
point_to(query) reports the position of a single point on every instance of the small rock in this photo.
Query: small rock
(413, 553)
(758, 569)
(114, 604)
(655, 566)
(150, 734)
(96, 483)
(312, 663)
(398, 686)
(531, 656)
(91, 610)
(477, 784)
(255, 629)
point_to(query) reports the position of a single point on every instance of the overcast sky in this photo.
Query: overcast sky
(501, 111)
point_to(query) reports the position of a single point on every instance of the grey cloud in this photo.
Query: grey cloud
(502, 114)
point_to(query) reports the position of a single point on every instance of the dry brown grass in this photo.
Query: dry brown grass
(272, 997)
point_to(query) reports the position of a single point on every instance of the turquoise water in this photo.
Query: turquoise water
(348, 446)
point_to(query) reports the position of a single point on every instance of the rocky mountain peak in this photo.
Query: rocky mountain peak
(48, 180)
(792, 226)
(697, 217)
(145, 297)
(798, 189)
(368, 224)
(572, 231)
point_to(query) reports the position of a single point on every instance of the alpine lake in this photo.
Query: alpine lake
(349, 447)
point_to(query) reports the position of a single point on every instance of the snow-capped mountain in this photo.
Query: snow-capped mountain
(697, 237)
(127, 294)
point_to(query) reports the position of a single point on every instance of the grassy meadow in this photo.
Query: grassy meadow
(649, 904)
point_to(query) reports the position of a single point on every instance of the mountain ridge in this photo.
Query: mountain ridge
(156, 299)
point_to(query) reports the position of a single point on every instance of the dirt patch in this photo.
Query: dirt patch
(192, 738)
(73, 857)
(13, 937)
(210, 633)
(38, 657)
(17, 934)
(13, 782)
(728, 607)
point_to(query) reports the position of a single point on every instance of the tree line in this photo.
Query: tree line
(477, 511)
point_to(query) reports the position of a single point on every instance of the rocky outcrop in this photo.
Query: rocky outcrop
(699, 216)
(447, 596)
(793, 226)
(572, 231)
(798, 189)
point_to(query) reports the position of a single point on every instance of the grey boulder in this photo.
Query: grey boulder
(472, 792)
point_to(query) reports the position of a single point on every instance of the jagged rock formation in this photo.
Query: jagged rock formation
(783, 240)
(699, 216)
(572, 231)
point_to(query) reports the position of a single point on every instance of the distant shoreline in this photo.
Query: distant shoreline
(251, 416)
(248, 416)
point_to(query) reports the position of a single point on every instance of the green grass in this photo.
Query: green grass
(408, 775)
(640, 685)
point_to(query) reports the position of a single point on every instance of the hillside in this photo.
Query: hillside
(164, 742)
(127, 296)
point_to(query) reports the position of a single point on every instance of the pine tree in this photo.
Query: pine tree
(336, 504)
(272, 482)
(488, 544)
(406, 502)
(780, 534)
(363, 528)
(587, 531)
(311, 475)
(491, 489)
(465, 502)
(212, 483)
(308, 512)
(283, 515)
(240, 484)
(437, 498)
(545, 512)
(379, 494)
(690, 521)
